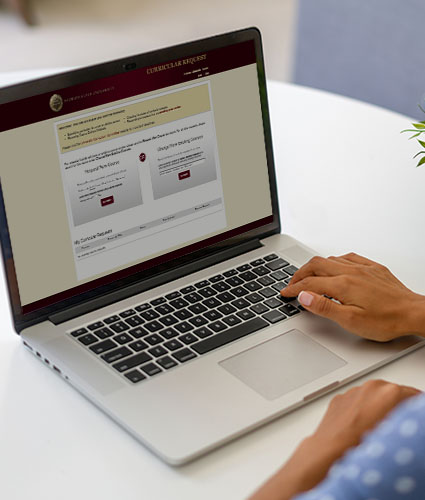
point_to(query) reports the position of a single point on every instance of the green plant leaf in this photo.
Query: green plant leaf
(419, 126)
(422, 143)
(416, 135)
(420, 153)
(421, 162)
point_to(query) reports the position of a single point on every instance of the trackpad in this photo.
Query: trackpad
(282, 364)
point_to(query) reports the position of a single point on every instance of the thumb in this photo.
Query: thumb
(320, 305)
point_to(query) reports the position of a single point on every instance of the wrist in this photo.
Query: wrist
(415, 316)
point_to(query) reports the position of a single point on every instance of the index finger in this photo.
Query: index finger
(320, 266)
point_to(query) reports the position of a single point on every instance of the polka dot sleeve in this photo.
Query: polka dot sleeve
(388, 465)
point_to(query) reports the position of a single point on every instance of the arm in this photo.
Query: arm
(371, 301)
(347, 419)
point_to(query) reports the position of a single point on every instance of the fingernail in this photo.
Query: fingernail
(305, 298)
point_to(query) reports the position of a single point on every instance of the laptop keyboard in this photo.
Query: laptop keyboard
(158, 335)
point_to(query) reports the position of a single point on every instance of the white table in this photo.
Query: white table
(346, 182)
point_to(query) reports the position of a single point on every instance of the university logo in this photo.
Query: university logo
(56, 102)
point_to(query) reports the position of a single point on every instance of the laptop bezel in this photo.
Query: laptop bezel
(83, 75)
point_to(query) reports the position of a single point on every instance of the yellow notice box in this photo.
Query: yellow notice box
(132, 117)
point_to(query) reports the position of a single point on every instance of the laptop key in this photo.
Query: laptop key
(211, 302)
(265, 281)
(104, 346)
(168, 333)
(135, 320)
(274, 316)
(132, 361)
(158, 301)
(166, 362)
(173, 295)
(273, 302)
(229, 335)
(79, 331)
(116, 354)
(254, 298)
(184, 355)
(221, 286)
(248, 276)
(168, 320)
(111, 319)
(149, 315)
(245, 314)
(96, 325)
(225, 297)
(213, 315)
(230, 273)
(202, 284)
(243, 268)
(164, 309)
(279, 275)
(261, 271)
(270, 257)
(135, 376)
(198, 321)
(179, 303)
(259, 308)
(280, 285)
(234, 281)
(123, 338)
(289, 309)
(257, 262)
(226, 309)
(188, 338)
(216, 278)
(217, 326)
(154, 326)
(142, 307)
(240, 303)
(193, 297)
(139, 345)
(138, 332)
(183, 314)
(153, 339)
(207, 292)
(127, 313)
(157, 351)
(291, 270)
(274, 265)
(174, 344)
(87, 339)
(268, 292)
(198, 308)
(104, 333)
(151, 369)
(232, 320)
(252, 286)
(119, 326)
(239, 291)
(184, 327)
(203, 332)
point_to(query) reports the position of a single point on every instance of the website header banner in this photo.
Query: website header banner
(106, 90)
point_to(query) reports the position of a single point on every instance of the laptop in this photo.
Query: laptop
(143, 253)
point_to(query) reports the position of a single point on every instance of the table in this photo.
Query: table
(347, 181)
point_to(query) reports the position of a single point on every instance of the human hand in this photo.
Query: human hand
(348, 417)
(372, 302)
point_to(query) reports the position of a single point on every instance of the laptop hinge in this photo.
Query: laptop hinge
(147, 284)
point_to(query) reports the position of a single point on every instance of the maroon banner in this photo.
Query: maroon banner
(105, 90)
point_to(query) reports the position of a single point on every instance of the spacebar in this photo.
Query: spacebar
(229, 335)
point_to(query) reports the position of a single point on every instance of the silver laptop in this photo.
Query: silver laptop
(141, 242)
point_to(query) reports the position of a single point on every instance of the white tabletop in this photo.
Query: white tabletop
(346, 181)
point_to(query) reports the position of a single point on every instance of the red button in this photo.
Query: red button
(184, 175)
(107, 201)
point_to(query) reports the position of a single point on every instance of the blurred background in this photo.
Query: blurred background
(372, 50)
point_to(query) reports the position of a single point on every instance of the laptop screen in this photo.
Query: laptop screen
(115, 175)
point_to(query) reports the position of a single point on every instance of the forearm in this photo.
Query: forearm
(306, 468)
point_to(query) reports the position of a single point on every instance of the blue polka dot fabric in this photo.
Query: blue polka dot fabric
(389, 464)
